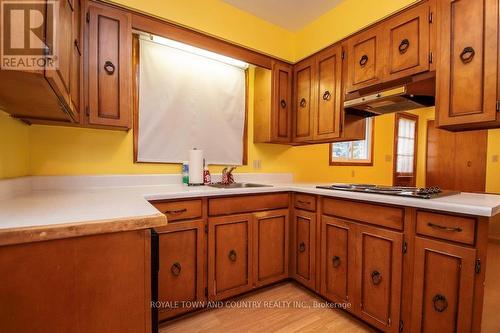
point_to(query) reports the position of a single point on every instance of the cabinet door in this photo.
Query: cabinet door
(303, 247)
(304, 80)
(443, 287)
(270, 246)
(76, 50)
(365, 59)
(337, 259)
(282, 104)
(181, 276)
(109, 67)
(326, 118)
(60, 78)
(379, 265)
(408, 38)
(229, 255)
(466, 73)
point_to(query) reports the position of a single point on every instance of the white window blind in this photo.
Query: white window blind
(406, 146)
(188, 100)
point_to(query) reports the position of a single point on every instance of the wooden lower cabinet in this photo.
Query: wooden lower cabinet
(181, 276)
(378, 276)
(229, 255)
(303, 247)
(98, 283)
(443, 289)
(337, 259)
(362, 265)
(270, 247)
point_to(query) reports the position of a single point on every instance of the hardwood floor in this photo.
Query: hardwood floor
(298, 316)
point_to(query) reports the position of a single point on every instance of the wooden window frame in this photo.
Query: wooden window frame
(135, 99)
(368, 162)
(395, 174)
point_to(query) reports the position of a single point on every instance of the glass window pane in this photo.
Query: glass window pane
(353, 151)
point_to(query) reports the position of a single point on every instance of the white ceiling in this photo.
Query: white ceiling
(289, 14)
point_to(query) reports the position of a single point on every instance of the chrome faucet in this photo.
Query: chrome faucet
(227, 175)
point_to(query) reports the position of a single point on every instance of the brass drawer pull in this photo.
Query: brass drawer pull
(304, 202)
(302, 247)
(303, 103)
(404, 46)
(442, 227)
(232, 255)
(176, 269)
(376, 277)
(440, 303)
(109, 67)
(176, 212)
(467, 55)
(283, 103)
(336, 261)
(363, 60)
(326, 95)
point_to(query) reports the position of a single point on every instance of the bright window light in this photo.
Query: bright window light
(197, 51)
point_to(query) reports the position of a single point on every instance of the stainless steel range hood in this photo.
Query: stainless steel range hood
(406, 94)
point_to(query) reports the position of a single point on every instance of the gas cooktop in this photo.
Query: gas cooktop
(412, 192)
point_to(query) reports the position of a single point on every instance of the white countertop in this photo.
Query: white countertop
(38, 208)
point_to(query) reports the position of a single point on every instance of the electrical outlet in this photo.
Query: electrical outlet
(353, 173)
(494, 158)
(257, 164)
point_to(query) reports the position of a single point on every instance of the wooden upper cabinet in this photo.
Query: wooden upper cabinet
(365, 59)
(326, 116)
(270, 246)
(408, 35)
(466, 73)
(229, 255)
(337, 259)
(273, 104)
(282, 104)
(305, 99)
(109, 67)
(76, 62)
(379, 272)
(443, 288)
(60, 79)
(181, 276)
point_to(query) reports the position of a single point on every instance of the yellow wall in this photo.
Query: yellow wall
(14, 147)
(221, 20)
(493, 168)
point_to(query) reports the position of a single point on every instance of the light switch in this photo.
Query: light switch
(494, 158)
(388, 158)
(256, 164)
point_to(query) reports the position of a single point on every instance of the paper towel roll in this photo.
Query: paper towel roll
(195, 167)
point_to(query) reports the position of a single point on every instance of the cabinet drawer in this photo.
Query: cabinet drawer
(305, 201)
(454, 228)
(180, 210)
(248, 203)
(390, 217)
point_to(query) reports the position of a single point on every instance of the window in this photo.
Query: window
(358, 152)
(189, 98)
(405, 149)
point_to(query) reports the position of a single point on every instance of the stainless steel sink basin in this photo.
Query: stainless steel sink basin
(238, 185)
